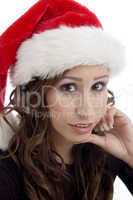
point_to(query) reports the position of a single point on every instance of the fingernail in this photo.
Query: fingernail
(106, 127)
(102, 129)
(96, 129)
(111, 125)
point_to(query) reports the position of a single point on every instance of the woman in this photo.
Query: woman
(66, 139)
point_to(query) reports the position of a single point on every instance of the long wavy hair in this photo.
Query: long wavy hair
(32, 149)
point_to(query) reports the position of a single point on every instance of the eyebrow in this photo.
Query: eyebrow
(79, 79)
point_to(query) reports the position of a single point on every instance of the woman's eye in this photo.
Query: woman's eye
(99, 86)
(69, 87)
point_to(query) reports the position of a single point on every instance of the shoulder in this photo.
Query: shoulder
(10, 179)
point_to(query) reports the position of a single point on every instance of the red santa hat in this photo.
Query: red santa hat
(54, 36)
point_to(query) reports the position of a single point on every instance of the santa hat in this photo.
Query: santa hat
(54, 36)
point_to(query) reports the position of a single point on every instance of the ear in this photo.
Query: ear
(6, 133)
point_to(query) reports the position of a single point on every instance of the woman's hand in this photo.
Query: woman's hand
(118, 135)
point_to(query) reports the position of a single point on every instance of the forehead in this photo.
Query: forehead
(87, 72)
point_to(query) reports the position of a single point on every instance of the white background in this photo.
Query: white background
(116, 17)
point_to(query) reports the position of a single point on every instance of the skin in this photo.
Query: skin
(76, 102)
(84, 100)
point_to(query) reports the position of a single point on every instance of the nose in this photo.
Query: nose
(85, 108)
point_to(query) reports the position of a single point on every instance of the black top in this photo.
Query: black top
(11, 181)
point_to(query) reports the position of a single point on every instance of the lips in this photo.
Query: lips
(82, 128)
(82, 124)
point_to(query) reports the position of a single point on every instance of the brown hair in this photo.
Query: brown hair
(31, 148)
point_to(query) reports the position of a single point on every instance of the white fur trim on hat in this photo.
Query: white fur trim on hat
(54, 51)
(6, 133)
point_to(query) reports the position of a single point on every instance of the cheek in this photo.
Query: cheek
(59, 102)
(59, 117)
(100, 105)
(59, 107)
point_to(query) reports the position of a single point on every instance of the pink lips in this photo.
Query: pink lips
(82, 128)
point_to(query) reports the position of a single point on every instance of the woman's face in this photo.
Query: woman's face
(80, 97)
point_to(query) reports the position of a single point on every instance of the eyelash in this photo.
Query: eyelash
(103, 86)
(65, 86)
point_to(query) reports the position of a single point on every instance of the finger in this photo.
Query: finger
(110, 117)
(103, 125)
(107, 121)
(98, 140)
